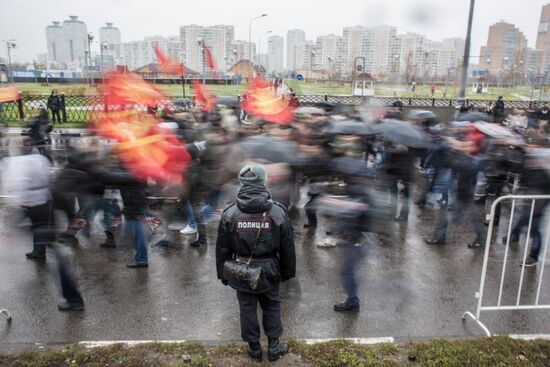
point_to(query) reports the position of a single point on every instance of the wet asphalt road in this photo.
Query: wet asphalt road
(408, 289)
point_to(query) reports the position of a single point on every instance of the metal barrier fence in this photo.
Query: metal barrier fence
(84, 108)
(516, 301)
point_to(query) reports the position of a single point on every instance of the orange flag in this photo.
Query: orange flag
(146, 150)
(262, 103)
(203, 97)
(167, 65)
(9, 94)
(127, 88)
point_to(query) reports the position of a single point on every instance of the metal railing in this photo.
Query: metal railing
(85, 108)
(518, 304)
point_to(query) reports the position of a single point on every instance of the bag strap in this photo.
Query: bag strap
(257, 238)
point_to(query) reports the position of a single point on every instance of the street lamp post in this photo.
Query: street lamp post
(11, 44)
(200, 41)
(465, 61)
(260, 43)
(90, 39)
(103, 47)
(250, 34)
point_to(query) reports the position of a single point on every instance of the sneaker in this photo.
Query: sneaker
(529, 263)
(254, 350)
(137, 265)
(346, 306)
(475, 244)
(70, 306)
(310, 225)
(276, 349)
(188, 230)
(35, 255)
(435, 241)
(328, 242)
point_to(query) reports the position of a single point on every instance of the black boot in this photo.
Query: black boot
(201, 240)
(110, 241)
(255, 350)
(276, 349)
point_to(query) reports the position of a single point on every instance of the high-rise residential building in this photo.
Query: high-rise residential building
(542, 49)
(380, 47)
(55, 43)
(243, 50)
(505, 50)
(306, 57)
(139, 53)
(275, 54)
(294, 37)
(353, 46)
(75, 34)
(110, 36)
(67, 43)
(414, 55)
(455, 43)
(218, 38)
(330, 49)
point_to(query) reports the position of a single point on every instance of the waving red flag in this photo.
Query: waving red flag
(146, 150)
(207, 54)
(9, 94)
(262, 103)
(203, 97)
(167, 65)
(127, 88)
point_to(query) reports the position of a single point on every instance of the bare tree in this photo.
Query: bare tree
(410, 67)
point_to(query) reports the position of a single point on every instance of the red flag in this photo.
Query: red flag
(9, 94)
(127, 88)
(167, 65)
(207, 54)
(203, 97)
(262, 103)
(146, 150)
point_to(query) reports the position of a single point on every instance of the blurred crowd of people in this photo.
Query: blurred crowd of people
(358, 166)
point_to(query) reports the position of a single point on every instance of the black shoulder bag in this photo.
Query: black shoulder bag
(240, 270)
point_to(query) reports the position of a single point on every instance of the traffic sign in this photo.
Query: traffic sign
(300, 77)
(292, 76)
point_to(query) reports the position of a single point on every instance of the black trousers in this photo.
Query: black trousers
(55, 113)
(270, 302)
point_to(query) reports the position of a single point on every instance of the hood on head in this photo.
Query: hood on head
(254, 199)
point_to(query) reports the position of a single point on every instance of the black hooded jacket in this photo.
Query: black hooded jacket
(237, 233)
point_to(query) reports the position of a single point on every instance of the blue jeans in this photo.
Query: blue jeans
(138, 235)
(353, 255)
(187, 208)
(535, 232)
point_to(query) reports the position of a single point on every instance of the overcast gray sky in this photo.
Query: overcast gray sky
(25, 20)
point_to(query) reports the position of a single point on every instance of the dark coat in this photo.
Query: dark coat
(237, 233)
(54, 102)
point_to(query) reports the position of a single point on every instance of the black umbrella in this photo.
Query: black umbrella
(400, 132)
(264, 147)
(474, 117)
(349, 127)
(351, 167)
(228, 101)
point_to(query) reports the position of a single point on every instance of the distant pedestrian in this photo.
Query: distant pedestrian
(54, 105)
(498, 109)
(257, 231)
(433, 90)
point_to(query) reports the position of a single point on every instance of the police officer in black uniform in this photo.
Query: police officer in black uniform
(274, 253)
